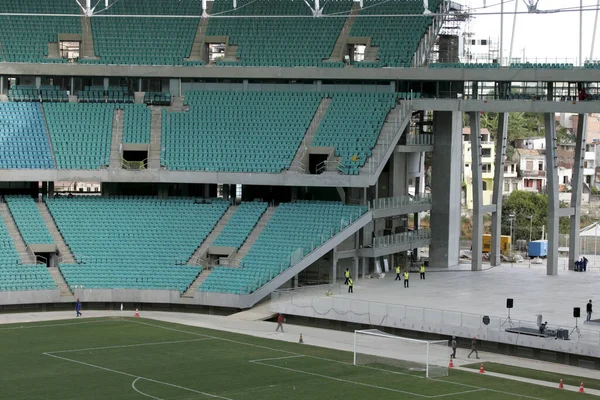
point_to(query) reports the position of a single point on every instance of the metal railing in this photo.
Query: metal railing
(423, 139)
(134, 165)
(387, 135)
(401, 201)
(401, 238)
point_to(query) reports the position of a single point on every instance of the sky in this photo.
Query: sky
(538, 35)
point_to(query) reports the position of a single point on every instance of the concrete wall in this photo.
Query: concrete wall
(127, 296)
(29, 297)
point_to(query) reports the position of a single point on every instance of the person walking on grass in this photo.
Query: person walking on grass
(347, 275)
(588, 310)
(279, 323)
(454, 346)
(78, 308)
(474, 348)
(422, 271)
(406, 278)
(398, 277)
(350, 285)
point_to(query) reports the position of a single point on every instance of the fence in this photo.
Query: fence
(401, 201)
(401, 238)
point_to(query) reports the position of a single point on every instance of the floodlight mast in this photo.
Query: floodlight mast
(204, 13)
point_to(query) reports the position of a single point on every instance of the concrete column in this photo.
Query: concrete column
(552, 189)
(355, 268)
(38, 81)
(475, 90)
(334, 262)
(550, 94)
(106, 83)
(245, 84)
(1, 84)
(446, 187)
(576, 188)
(175, 87)
(139, 84)
(50, 190)
(398, 169)
(501, 137)
(477, 191)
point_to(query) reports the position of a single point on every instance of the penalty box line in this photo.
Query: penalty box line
(476, 388)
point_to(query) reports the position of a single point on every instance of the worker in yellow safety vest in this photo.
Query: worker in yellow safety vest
(350, 285)
(347, 275)
(422, 271)
(406, 277)
(398, 278)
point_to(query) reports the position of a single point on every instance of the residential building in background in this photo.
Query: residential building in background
(488, 154)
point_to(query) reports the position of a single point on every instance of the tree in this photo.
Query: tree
(523, 204)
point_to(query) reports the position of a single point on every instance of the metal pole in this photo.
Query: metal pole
(595, 242)
(530, 226)
(501, 31)
(581, 33)
(594, 35)
(512, 38)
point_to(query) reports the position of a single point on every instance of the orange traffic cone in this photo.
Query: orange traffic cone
(481, 370)
(560, 385)
(137, 314)
(581, 388)
(451, 365)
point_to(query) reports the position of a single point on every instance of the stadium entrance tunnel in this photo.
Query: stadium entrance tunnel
(135, 157)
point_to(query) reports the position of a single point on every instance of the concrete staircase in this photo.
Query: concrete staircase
(86, 49)
(258, 228)
(53, 51)
(48, 135)
(2, 52)
(155, 138)
(25, 256)
(300, 160)
(196, 284)
(337, 54)
(212, 236)
(117, 136)
(63, 249)
(177, 103)
(393, 128)
(198, 47)
(63, 288)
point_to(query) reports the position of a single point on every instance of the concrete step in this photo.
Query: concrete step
(26, 256)
(63, 287)
(337, 54)
(258, 228)
(116, 159)
(65, 255)
(53, 51)
(212, 236)
(86, 49)
(48, 134)
(197, 52)
(155, 138)
(196, 284)
(300, 161)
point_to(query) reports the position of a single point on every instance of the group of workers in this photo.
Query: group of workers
(407, 274)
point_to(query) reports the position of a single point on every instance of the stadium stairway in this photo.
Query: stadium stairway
(48, 134)
(258, 228)
(87, 40)
(211, 237)
(66, 257)
(300, 161)
(155, 138)
(25, 256)
(65, 292)
(198, 47)
(337, 54)
(393, 128)
(116, 158)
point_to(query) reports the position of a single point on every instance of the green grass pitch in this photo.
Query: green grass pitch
(141, 359)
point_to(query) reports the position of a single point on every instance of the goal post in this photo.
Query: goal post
(393, 353)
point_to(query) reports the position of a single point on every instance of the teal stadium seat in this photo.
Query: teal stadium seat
(133, 242)
(25, 142)
(136, 124)
(30, 223)
(240, 225)
(293, 231)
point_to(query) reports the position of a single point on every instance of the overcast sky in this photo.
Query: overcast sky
(541, 35)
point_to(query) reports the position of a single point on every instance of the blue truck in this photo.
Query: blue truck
(537, 248)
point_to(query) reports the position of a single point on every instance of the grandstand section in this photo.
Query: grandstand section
(28, 219)
(237, 131)
(240, 225)
(133, 242)
(136, 124)
(282, 42)
(26, 39)
(145, 41)
(17, 276)
(293, 232)
(25, 142)
(80, 133)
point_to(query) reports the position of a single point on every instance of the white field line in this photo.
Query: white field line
(14, 328)
(330, 360)
(140, 392)
(457, 393)
(137, 377)
(276, 358)
(126, 345)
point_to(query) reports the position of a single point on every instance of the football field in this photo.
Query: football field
(129, 358)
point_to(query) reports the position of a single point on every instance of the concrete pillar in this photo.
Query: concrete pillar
(501, 137)
(576, 188)
(106, 83)
(398, 170)
(139, 84)
(552, 189)
(175, 87)
(550, 88)
(1, 84)
(475, 90)
(477, 191)
(354, 272)
(446, 188)
(319, 84)
(38, 81)
(50, 190)
(245, 84)
(334, 262)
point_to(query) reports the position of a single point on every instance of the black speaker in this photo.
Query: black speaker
(576, 312)
(509, 303)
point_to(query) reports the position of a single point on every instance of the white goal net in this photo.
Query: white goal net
(378, 349)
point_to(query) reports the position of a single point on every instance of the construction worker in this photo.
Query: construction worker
(350, 285)
(347, 275)
(279, 323)
(473, 348)
(422, 271)
(398, 278)
(406, 277)
(454, 346)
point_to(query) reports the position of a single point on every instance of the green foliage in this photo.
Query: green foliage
(520, 125)
(522, 205)
(595, 190)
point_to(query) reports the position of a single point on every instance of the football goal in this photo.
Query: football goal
(428, 358)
